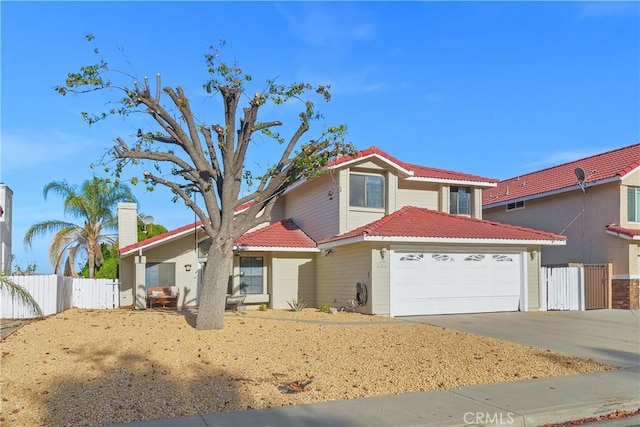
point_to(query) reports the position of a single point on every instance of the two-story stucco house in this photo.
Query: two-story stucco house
(594, 201)
(412, 236)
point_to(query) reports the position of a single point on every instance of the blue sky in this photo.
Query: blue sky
(495, 89)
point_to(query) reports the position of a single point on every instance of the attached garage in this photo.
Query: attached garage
(429, 262)
(445, 282)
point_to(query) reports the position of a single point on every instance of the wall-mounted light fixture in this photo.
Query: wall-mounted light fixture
(383, 253)
(533, 254)
(327, 252)
(187, 267)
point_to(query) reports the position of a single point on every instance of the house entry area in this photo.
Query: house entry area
(430, 282)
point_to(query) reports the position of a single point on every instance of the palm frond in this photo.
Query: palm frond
(18, 291)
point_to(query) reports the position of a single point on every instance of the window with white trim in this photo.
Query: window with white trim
(251, 275)
(460, 200)
(515, 205)
(633, 204)
(366, 191)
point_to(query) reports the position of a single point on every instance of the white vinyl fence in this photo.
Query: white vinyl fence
(563, 288)
(55, 293)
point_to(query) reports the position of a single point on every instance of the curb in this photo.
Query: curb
(565, 414)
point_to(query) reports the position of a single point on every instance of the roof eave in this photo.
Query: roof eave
(622, 235)
(153, 244)
(576, 187)
(243, 248)
(486, 184)
(457, 240)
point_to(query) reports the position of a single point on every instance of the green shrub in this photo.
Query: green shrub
(262, 307)
(324, 308)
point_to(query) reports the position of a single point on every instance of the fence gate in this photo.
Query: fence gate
(564, 288)
(596, 284)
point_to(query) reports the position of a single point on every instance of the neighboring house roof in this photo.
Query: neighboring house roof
(599, 169)
(413, 172)
(625, 233)
(412, 224)
(278, 236)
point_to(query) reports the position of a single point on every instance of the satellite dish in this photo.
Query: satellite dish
(581, 176)
(147, 219)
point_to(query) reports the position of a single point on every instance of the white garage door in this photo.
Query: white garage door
(444, 283)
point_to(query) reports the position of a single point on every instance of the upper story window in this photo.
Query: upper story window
(515, 205)
(366, 191)
(633, 204)
(460, 200)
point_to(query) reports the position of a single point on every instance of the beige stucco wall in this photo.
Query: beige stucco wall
(338, 273)
(379, 289)
(533, 278)
(420, 194)
(127, 280)
(587, 240)
(313, 208)
(292, 277)
(181, 252)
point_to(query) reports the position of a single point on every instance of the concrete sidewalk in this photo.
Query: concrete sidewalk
(522, 403)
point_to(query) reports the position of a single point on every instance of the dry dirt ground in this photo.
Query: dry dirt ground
(88, 367)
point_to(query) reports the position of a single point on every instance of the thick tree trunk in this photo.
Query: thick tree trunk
(214, 288)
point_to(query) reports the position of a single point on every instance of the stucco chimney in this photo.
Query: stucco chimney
(127, 224)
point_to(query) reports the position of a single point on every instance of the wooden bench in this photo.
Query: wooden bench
(167, 296)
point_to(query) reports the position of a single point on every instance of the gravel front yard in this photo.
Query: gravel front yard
(88, 367)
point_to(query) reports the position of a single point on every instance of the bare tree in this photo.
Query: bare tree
(190, 157)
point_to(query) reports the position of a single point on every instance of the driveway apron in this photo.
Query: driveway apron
(607, 336)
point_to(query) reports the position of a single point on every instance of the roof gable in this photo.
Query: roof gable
(413, 222)
(412, 172)
(599, 169)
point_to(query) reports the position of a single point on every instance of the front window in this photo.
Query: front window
(460, 200)
(366, 191)
(160, 274)
(250, 275)
(633, 204)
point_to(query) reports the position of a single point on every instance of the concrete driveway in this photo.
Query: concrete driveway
(607, 336)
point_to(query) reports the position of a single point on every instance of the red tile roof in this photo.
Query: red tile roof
(416, 170)
(415, 222)
(598, 169)
(626, 233)
(282, 234)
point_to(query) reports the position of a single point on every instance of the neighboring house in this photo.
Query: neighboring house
(594, 201)
(412, 235)
(6, 197)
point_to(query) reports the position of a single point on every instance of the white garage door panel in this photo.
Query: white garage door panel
(440, 283)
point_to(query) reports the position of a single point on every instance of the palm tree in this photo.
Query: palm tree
(18, 291)
(94, 202)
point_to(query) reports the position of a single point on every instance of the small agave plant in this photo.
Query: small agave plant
(297, 305)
